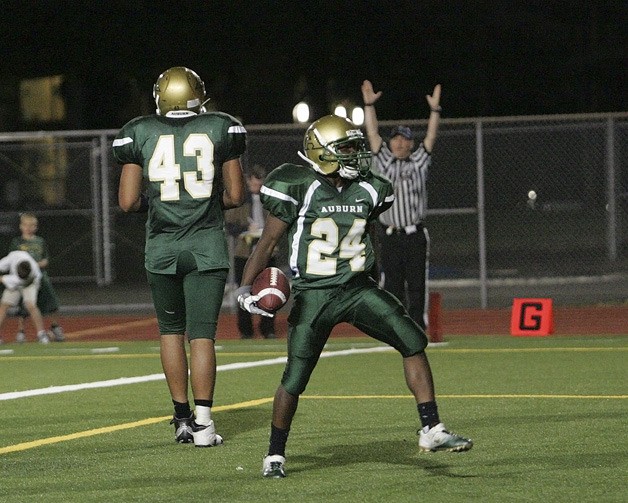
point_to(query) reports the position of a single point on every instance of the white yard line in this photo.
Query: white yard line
(122, 381)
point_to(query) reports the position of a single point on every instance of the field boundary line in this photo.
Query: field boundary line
(528, 350)
(471, 395)
(432, 347)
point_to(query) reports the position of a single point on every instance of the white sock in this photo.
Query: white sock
(203, 415)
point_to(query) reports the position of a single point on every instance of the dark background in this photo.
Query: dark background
(258, 58)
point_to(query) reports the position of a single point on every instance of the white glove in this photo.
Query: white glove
(248, 302)
(12, 281)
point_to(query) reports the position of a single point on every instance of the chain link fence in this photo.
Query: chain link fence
(512, 201)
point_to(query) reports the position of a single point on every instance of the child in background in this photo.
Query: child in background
(20, 276)
(47, 300)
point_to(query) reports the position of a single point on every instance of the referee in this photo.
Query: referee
(404, 240)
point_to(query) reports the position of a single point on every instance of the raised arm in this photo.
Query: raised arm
(370, 117)
(433, 101)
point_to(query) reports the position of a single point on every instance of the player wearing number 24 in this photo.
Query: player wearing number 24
(189, 161)
(326, 207)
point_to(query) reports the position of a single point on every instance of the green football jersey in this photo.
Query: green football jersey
(36, 247)
(182, 160)
(328, 234)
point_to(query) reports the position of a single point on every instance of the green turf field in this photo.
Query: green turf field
(547, 415)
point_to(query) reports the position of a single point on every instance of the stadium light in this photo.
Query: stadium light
(340, 111)
(357, 116)
(301, 112)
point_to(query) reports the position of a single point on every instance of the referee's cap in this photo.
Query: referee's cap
(404, 131)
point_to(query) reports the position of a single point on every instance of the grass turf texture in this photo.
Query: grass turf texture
(547, 416)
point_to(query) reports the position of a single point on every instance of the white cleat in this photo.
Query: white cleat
(438, 438)
(273, 467)
(205, 436)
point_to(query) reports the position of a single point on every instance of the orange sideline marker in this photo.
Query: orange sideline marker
(532, 317)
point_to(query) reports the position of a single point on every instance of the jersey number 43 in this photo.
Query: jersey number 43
(163, 167)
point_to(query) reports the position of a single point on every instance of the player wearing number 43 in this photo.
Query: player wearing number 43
(326, 207)
(190, 163)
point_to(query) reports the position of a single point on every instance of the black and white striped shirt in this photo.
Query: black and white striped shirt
(409, 179)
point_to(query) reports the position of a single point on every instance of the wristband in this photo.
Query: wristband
(437, 110)
(369, 104)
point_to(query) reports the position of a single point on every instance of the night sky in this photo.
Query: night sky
(258, 58)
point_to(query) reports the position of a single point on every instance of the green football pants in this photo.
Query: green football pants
(360, 303)
(188, 301)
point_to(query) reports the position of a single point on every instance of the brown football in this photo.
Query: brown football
(273, 288)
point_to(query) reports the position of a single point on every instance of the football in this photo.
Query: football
(273, 288)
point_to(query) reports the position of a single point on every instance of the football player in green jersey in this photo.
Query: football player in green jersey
(326, 208)
(189, 162)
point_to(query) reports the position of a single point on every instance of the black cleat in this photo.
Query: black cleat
(183, 429)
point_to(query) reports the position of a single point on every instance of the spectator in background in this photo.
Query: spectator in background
(47, 300)
(403, 237)
(245, 224)
(20, 276)
(189, 161)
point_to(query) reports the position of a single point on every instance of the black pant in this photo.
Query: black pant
(245, 320)
(404, 263)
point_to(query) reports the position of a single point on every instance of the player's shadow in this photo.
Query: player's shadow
(397, 453)
(231, 423)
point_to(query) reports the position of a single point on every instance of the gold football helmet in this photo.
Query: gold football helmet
(179, 88)
(333, 143)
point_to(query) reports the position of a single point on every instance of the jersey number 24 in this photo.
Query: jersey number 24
(322, 252)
